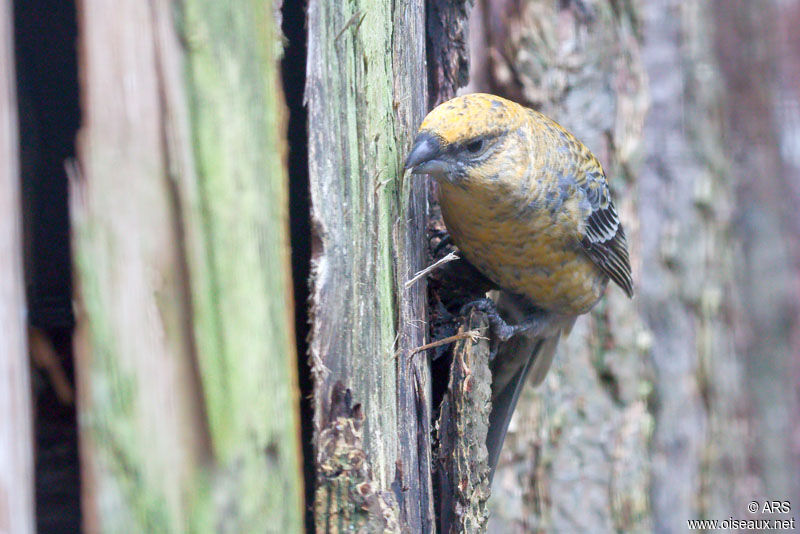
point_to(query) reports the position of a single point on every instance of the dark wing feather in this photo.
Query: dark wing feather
(604, 240)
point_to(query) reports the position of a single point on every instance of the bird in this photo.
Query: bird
(529, 206)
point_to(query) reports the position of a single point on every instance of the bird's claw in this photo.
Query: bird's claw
(444, 242)
(500, 330)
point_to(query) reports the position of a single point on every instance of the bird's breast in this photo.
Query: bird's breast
(524, 246)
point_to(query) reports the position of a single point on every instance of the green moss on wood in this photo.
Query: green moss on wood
(243, 305)
(188, 388)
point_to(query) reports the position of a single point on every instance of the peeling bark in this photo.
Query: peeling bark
(347, 497)
(448, 40)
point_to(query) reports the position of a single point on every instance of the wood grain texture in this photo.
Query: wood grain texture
(16, 427)
(242, 288)
(409, 242)
(366, 96)
(187, 387)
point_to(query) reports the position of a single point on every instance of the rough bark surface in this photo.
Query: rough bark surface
(16, 428)
(365, 100)
(185, 352)
(582, 437)
(448, 42)
(685, 202)
(760, 61)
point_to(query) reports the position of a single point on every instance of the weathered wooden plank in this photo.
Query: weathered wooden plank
(16, 432)
(244, 310)
(186, 359)
(410, 245)
(366, 96)
(142, 428)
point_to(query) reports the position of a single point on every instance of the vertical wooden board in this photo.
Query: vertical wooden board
(185, 347)
(410, 244)
(237, 230)
(143, 433)
(352, 151)
(365, 90)
(16, 433)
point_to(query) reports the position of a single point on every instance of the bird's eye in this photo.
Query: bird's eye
(474, 147)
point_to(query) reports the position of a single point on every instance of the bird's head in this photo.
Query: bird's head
(461, 139)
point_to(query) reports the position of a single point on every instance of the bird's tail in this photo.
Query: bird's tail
(520, 361)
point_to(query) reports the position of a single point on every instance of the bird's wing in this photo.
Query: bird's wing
(604, 238)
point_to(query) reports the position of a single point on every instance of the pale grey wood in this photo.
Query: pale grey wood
(16, 432)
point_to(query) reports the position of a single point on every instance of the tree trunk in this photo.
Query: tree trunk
(583, 436)
(185, 348)
(642, 421)
(699, 467)
(759, 58)
(674, 406)
(16, 428)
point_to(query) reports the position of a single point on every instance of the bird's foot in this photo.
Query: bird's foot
(500, 330)
(445, 241)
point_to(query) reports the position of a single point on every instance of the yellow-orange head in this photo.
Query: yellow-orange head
(459, 140)
(476, 115)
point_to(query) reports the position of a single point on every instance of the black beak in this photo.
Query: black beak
(422, 158)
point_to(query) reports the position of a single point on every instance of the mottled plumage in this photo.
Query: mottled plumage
(528, 205)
